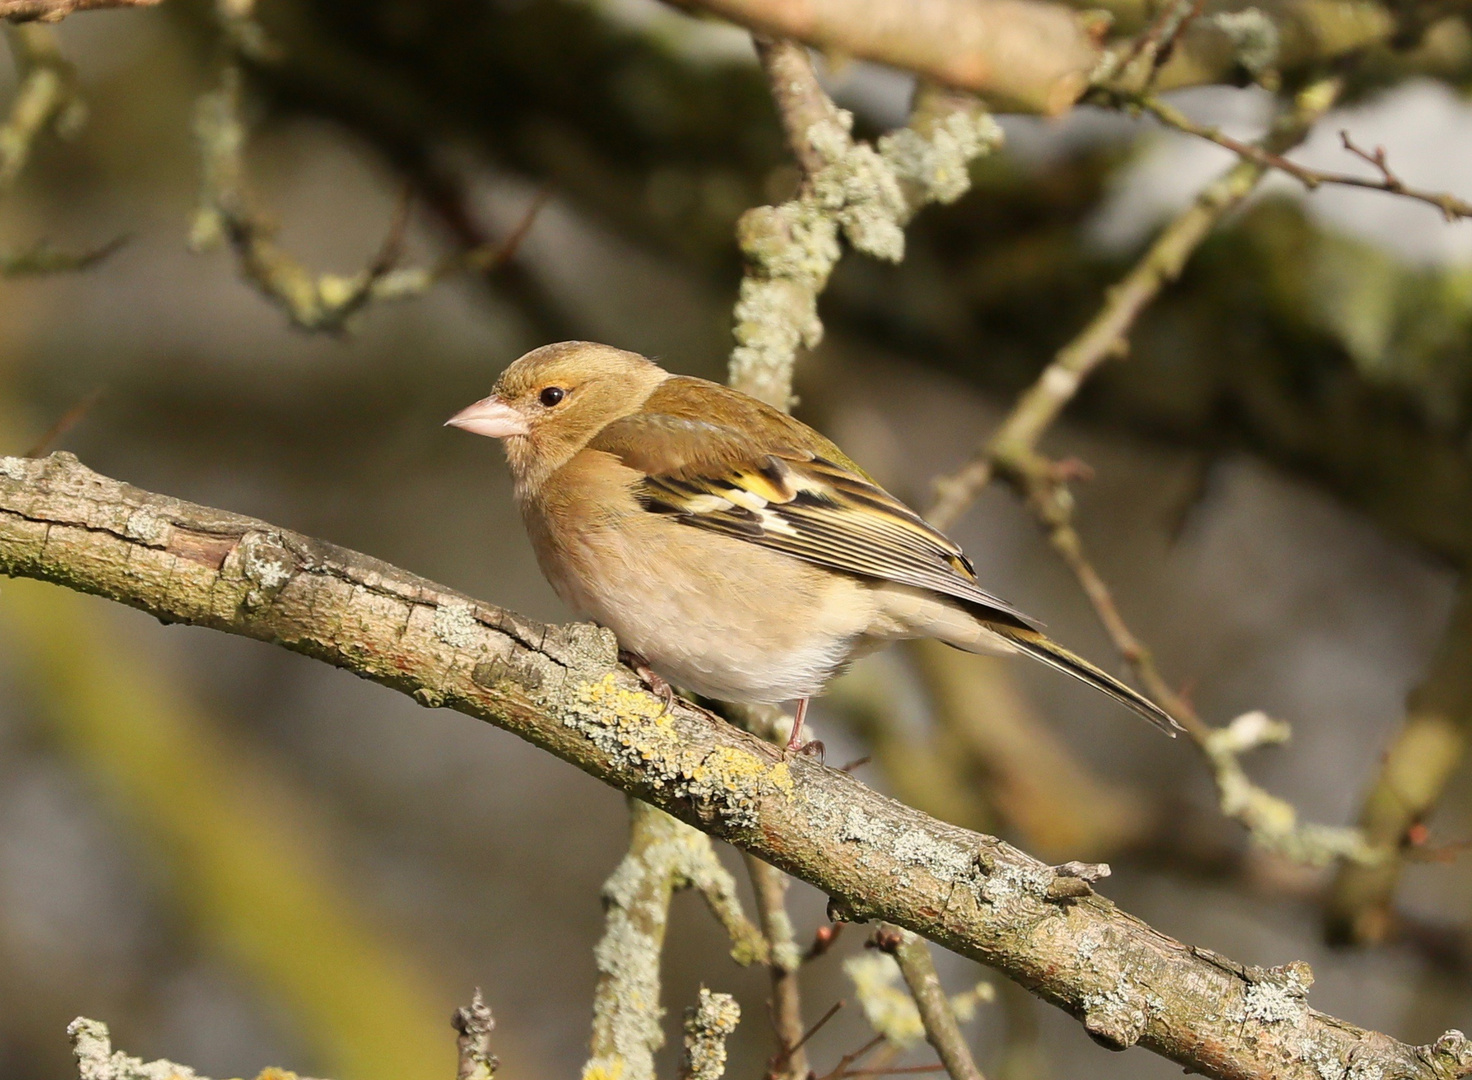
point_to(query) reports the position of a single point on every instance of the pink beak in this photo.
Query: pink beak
(491, 417)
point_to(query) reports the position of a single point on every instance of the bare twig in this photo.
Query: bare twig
(1106, 335)
(46, 100)
(769, 885)
(560, 688)
(64, 423)
(473, 1026)
(1452, 208)
(912, 953)
(707, 1026)
(56, 10)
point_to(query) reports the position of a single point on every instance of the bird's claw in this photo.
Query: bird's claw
(651, 678)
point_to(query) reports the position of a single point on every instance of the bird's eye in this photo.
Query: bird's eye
(552, 395)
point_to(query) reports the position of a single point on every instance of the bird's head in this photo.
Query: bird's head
(546, 406)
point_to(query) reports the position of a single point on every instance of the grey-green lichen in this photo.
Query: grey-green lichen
(1119, 1014)
(455, 625)
(707, 1026)
(96, 1059)
(1255, 38)
(1273, 822)
(664, 855)
(13, 468)
(866, 193)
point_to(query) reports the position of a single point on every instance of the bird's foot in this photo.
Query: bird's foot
(795, 745)
(649, 677)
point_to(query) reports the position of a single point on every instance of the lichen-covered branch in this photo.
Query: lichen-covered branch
(1413, 775)
(561, 688)
(707, 1027)
(97, 1060)
(664, 856)
(1107, 334)
(912, 953)
(473, 1026)
(866, 194)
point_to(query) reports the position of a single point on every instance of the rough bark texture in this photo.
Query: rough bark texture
(561, 688)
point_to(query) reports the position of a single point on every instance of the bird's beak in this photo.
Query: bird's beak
(491, 417)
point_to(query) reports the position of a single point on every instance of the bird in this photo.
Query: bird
(732, 549)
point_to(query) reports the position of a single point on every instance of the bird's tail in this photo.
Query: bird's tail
(1056, 656)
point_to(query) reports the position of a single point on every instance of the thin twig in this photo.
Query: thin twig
(1452, 207)
(842, 1068)
(912, 953)
(46, 101)
(64, 423)
(317, 302)
(784, 960)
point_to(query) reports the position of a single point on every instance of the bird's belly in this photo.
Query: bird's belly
(712, 614)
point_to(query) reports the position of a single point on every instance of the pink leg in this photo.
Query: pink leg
(794, 741)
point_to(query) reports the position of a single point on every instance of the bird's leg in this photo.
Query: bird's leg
(650, 677)
(794, 741)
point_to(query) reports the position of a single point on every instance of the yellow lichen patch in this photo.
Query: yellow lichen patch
(732, 770)
(781, 778)
(270, 1072)
(626, 704)
(605, 1069)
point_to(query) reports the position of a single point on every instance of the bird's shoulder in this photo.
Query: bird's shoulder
(691, 426)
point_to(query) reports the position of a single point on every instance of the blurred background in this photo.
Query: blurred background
(238, 857)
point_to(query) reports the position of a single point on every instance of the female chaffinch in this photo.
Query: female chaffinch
(731, 548)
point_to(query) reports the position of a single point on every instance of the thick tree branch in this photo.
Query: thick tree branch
(561, 689)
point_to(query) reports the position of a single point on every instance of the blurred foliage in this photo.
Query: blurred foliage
(245, 857)
(1316, 351)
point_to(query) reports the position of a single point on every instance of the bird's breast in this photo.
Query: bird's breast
(711, 613)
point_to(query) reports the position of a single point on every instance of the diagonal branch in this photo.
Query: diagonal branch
(561, 688)
(1106, 335)
(912, 953)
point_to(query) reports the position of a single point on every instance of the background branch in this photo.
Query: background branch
(560, 688)
(1413, 776)
(664, 856)
(912, 953)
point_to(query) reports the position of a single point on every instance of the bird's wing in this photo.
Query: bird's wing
(788, 489)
